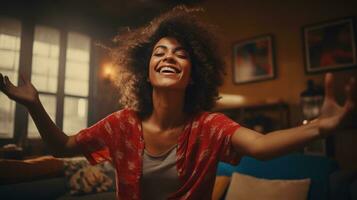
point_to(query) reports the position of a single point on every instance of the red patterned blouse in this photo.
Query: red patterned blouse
(205, 141)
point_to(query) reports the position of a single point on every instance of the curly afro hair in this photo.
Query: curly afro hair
(133, 51)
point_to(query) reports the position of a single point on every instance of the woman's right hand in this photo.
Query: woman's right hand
(25, 94)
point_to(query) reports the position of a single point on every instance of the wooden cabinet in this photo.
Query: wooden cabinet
(263, 117)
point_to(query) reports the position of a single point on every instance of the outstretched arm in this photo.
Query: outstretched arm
(27, 95)
(277, 143)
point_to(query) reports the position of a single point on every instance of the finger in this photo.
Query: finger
(351, 94)
(329, 93)
(2, 84)
(3, 87)
(24, 78)
(8, 82)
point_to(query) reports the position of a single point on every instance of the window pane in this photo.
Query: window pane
(9, 59)
(10, 32)
(77, 65)
(75, 115)
(78, 47)
(45, 59)
(49, 103)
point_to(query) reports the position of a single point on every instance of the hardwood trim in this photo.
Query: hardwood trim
(61, 78)
(25, 66)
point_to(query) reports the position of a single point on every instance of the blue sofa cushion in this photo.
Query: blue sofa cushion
(293, 166)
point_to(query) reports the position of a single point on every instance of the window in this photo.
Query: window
(76, 83)
(76, 80)
(10, 32)
(61, 80)
(44, 75)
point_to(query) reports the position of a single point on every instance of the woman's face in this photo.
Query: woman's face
(170, 65)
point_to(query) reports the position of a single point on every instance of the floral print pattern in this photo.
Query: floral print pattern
(205, 141)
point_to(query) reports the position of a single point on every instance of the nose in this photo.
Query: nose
(169, 58)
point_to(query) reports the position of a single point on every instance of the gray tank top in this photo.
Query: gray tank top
(160, 177)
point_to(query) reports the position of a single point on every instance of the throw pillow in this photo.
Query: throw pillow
(83, 178)
(245, 187)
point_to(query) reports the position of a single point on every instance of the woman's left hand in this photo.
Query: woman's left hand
(333, 115)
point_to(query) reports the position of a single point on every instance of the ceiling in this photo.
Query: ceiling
(116, 12)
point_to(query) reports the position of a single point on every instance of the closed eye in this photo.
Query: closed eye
(182, 54)
(158, 54)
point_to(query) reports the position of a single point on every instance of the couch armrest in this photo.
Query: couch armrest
(17, 171)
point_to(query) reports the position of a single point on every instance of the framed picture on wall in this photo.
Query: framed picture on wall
(330, 46)
(253, 60)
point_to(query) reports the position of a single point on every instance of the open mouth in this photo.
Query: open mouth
(168, 70)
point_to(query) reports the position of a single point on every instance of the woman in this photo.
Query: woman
(165, 144)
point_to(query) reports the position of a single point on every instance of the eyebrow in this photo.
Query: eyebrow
(165, 47)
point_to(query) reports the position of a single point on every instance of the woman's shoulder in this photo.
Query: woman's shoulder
(208, 116)
(122, 114)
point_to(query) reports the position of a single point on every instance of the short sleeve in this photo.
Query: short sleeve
(225, 128)
(95, 141)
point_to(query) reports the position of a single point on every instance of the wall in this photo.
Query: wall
(240, 20)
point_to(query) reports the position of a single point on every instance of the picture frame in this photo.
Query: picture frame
(253, 60)
(329, 46)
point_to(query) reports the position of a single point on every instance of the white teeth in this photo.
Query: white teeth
(167, 69)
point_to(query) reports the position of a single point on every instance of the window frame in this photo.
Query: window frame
(11, 139)
(25, 67)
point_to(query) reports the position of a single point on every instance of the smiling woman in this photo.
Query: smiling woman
(165, 143)
(196, 43)
(170, 65)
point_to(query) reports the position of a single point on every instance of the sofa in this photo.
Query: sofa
(327, 181)
(48, 177)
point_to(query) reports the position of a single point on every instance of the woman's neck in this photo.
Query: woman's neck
(168, 108)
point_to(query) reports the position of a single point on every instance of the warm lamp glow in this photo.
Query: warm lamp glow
(108, 71)
(230, 101)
